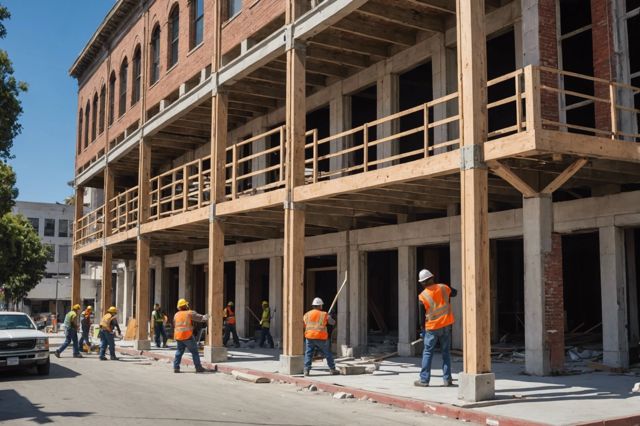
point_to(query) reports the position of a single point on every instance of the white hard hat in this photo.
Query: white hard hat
(317, 302)
(424, 275)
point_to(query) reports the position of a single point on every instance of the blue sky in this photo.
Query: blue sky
(43, 39)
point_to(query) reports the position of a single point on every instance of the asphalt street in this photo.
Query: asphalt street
(136, 391)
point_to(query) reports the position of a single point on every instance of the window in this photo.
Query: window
(155, 55)
(94, 118)
(35, 222)
(49, 227)
(174, 35)
(80, 131)
(137, 76)
(51, 252)
(112, 101)
(103, 95)
(63, 254)
(233, 8)
(63, 228)
(197, 23)
(87, 116)
(124, 69)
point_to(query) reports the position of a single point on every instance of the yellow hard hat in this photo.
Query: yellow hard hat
(264, 302)
(112, 310)
(89, 308)
(182, 302)
(75, 307)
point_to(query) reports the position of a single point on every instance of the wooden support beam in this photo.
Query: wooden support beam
(363, 27)
(143, 309)
(414, 19)
(108, 195)
(76, 272)
(514, 180)
(107, 284)
(563, 177)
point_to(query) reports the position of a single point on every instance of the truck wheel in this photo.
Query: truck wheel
(43, 369)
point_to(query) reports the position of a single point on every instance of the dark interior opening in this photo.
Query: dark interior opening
(510, 289)
(319, 119)
(199, 289)
(363, 110)
(416, 88)
(229, 283)
(258, 291)
(320, 280)
(501, 60)
(382, 292)
(173, 277)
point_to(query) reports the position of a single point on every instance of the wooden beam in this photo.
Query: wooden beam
(76, 272)
(405, 17)
(563, 177)
(444, 6)
(143, 310)
(366, 28)
(107, 284)
(514, 180)
(351, 43)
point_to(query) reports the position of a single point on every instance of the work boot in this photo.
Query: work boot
(334, 372)
(57, 354)
(447, 383)
(176, 370)
(102, 358)
(201, 370)
(307, 372)
(421, 384)
(114, 358)
(77, 356)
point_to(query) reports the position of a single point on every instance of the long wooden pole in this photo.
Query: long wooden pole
(335, 299)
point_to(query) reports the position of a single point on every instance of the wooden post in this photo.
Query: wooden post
(532, 98)
(143, 310)
(76, 278)
(107, 285)
(214, 351)
(476, 383)
(294, 217)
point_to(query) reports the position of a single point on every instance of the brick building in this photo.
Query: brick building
(259, 149)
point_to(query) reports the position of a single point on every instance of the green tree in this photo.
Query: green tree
(10, 89)
(8, 191)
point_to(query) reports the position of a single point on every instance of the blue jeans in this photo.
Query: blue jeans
(322, 345)
(430, 340)
(106, 339)
(193, 348)
(71, 335)
(265, 333)
(84, 339)
(158, 332)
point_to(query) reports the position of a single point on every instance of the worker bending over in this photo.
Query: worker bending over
(229, 320)
(70, 332)
(316, 336)
(108, 325)
(265, 324)
(435, 307)
(183, 335)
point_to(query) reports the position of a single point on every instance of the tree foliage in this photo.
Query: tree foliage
(8, 191)
(10, 89)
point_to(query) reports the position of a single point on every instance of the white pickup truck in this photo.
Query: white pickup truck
(21, 344)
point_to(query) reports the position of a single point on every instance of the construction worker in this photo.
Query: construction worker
(70, 332)
(183, 335)
(108, 324)
(316, 336)
(265, 323)
(85, 324)
(229, 319)
(435, 307)
(159, 333)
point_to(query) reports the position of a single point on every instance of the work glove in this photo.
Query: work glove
(422, 334)
(205, 317)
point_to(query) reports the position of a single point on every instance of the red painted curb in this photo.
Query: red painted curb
(427, 407)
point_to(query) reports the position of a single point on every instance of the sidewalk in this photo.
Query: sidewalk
(590, 398)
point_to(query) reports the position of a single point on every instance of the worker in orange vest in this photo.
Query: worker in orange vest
(183, 335)
(316, 336)
(229, 319)
(435, 307)
(85, 325)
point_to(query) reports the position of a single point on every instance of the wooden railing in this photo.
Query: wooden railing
(178, 190)
(251, 169)
(123, 210)
(589, 105)
(89, 228)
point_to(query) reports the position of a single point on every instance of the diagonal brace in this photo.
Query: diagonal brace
(563, 177)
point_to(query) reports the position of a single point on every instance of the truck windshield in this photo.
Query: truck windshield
(15, 322)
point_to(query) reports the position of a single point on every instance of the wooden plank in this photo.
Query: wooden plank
(143, 311)
(107, 284)
(563, 177)
(509, 176)
(249, 377)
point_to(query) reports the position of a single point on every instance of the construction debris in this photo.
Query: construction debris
(636, 388)
(350, 370)
(250, 377)
(601, 367)
(312, 388)
(342, 395)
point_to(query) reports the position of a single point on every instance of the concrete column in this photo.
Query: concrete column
(632, 285)
(184, 276)
(614, 297)
(275, 297)
(342, 306)
(129, 286)
(455, 272)
(242, 296)
(340, 121)
(159, 278)
(388, 102)
(358, 300)
(407, 300)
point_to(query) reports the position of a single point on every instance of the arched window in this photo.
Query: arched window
(103, 100)
(79, 148)
(174, 36)
(154, 75)
(196, 29)
(94, 118)
(137, 75)
(124, 70)
(87, 116)
(112, 97)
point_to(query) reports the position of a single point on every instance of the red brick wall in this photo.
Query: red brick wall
(603, 57)
(548, 57)
(554, 303)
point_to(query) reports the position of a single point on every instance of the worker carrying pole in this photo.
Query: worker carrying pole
(317, 337)
(183, 335)
(434, 305)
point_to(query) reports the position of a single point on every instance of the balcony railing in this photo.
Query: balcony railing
(123, 209)
(566, 102)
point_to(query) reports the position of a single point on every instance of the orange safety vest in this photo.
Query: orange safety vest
(315, 325)
(435, 299)
(183, 325)
(230, 316)
(105, 323)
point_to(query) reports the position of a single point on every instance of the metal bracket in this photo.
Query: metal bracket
(290, 205)
(214, 83)
(212, 213)
(472, 157)
(290, 42)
